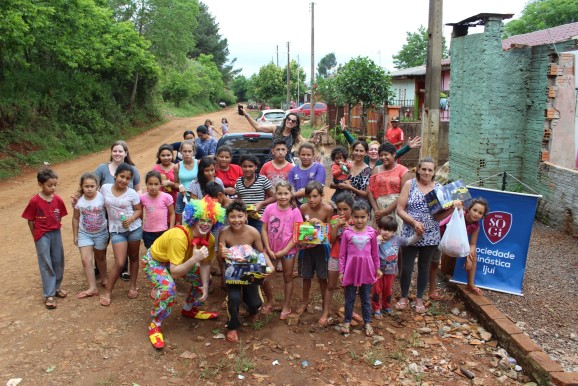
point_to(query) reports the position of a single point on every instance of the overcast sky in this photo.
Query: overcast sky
(373, 28)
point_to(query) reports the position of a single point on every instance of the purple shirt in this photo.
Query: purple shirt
(300, 177)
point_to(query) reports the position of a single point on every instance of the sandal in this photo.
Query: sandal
(133, 294)
(302, 308)
(357, 317)
(401, 305)
(420, 309)
(60, 293)
(435, 296)
(285, 315)
(232, 336)
(475, 290)
(368, 330)
(344, 329)
(323, 322)
(104, 301)
(377, 314)
(266, 310)
(50, 303)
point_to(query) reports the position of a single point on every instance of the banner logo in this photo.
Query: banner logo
(497, 225)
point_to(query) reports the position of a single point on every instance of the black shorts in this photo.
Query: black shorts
(315, 261)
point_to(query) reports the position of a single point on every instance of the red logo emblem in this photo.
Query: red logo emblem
(497, 225)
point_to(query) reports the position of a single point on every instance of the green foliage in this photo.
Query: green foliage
(414, 51)
(541, 14)
(268, 83)
(294, 69)
(326, 64)
(361, 81)
(240, 87)
(328, 91)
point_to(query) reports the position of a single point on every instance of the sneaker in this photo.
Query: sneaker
(156, 336)
(388, 310)
(198, 314)
(125, 276)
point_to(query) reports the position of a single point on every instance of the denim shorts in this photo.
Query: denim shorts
(289, 256)
(98, 240)
(123, 237)
(180, 204)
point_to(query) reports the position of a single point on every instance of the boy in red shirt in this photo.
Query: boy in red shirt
(395, 134)
(44, 212)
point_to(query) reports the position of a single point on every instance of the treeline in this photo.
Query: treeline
(75, 73)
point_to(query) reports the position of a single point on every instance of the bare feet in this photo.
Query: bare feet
(87, 294)
(302, 308)
(232, 336)
(253, 318)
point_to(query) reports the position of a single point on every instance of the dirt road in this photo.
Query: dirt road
(83, 343)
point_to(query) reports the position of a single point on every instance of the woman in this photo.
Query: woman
(385, 183)
(372, 158)
(413, 210)
(359, 174)
(190, 136)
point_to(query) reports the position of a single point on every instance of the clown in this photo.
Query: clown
(183, 251)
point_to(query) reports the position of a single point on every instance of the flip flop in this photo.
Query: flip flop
(60, 293)
(435, 296)
(420, 309)
(377, 315)
(401, 305)
(232, 336)
(285, 315)
(133, 294)
(302, 308)
(266, 310)
(368, 330)
(357, 317)
(104, 301)
(86, 294)
(475, 290)
(323, 322)
(50, 303)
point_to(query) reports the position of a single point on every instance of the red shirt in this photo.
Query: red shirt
(273, 174)
(230, 176)
(395, 135)
(46, 215)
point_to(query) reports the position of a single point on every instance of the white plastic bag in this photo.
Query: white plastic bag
(455, 242)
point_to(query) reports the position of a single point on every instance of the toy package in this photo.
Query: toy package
(307, 233)
(441, 198)
(251, 212)
(245, 266)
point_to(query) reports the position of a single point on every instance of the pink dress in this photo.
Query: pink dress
(358, 257)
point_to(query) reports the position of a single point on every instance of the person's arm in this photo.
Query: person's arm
(348, 137)
(402, 204)
(137, 208)
(270, 193)
(180, 270)
(171, 216)
(75, 225)
(471, 258)
(205, 269)
(265, 238)
(31, 227)
(256, 126)
(258, 245)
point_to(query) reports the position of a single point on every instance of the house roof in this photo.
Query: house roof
(546, 36)
(416, 71)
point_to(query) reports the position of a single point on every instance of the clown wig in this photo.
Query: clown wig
(204, 209)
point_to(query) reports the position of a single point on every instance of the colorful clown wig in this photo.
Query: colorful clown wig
(204, 209)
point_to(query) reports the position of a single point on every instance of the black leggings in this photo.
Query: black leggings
(407, 263)
(249, 294)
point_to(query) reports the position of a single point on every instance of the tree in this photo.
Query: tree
(326, 64)
(414, 51)
(542, 14)
(240, 87)
(294, 68)
(268, 83)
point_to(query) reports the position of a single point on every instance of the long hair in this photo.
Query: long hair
(84, 177)
(205, 163)
(165, 146)
(127, 158)
(296, 130)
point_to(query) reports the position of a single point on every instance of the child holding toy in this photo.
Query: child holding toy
(340, 168)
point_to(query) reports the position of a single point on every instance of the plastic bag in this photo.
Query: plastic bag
(455, 242)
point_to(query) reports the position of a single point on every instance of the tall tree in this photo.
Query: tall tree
(414, 51)
(294, 70)
(326, 65)
(542, 14)
(268, 84)
(240, 86)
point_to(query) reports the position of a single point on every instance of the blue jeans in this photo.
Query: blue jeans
(50, 261)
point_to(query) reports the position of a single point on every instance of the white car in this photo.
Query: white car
(270, 117)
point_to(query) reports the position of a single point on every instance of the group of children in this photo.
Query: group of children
(259, 210)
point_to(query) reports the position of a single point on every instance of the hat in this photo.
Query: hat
(395, 119)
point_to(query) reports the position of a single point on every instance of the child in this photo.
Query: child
(185, 171)
(344, 201)
(217, 192)
(254, 189)
(224, 126)
(44, 212)
(90, 232)
(278, 169)
(358, 265)
(124, 224)
(314, 260)
(166, 168)
(158, 207)
(388, 243)
(226, 171)
(475, 210)
(277, 232)
(178, 253)
(239, 233)
(301, 175)
(196, 188)
(339, 168)
(210, 128)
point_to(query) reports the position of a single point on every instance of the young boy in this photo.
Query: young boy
(340, 167)
(44, 213)
(388, 243)
(279, 168)
(314, 260)
(239, 233)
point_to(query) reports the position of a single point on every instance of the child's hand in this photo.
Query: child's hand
(343, 124)
(271, 254)
(380, 239)
(379, 273)
(468, 265)
(458, 204)
(76, 240)
(224, 251)
(340, 278)
(182, 189)
(126, 223)
(315, 221)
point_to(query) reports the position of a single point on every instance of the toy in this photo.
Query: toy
(251, 212)
(307, 233)
(344, 168)
(442, 198)
(245, 266)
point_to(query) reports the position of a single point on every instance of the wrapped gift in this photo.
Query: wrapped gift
(245, 266)
(308, 233)
(442, 197)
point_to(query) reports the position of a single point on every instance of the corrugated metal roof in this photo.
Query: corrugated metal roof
(546, 36)
(412, 71)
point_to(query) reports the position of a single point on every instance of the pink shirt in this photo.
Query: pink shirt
(156, 211)
(280, 226)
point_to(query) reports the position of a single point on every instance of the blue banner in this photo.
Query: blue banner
(503, 241)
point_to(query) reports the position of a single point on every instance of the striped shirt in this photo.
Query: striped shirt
(254, 193)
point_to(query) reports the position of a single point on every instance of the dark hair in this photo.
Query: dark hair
(203, 164)
(339, 150)
(279, 141)
(225, 148)
(237, 205)
(249, 157)
(296, 130)
(187, 132)
(87, 176)
(127, 158)
(313, 185)
(306, 145)
(225, 118)
(362, 143)
(346, 197)
(213, 189)
(208, 120)
(155, 174)
(45, 174)
(202, 129)
(426, 159)
(165, 146)
(123, 167)
(387, 147)
(387, 223)
(360, 205)
(478, 200)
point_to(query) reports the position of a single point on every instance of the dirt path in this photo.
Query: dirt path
(82, 343)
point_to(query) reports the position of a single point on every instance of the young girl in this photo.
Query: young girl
(226, 171)
(90, 233)
(308, 171)
(254, 189)
(224, 126)
(158, 207)
(339, 223)
(124, 224)
(185, 172)
(339, 168)
(358, 265)
(210, 128)
(475, 210)
(277, 238)
(166, 168)
(197, 188)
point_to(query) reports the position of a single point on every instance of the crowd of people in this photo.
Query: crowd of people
(198, 208)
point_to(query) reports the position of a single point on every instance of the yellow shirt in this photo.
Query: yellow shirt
(173, 247)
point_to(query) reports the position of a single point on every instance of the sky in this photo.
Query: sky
(372, 28)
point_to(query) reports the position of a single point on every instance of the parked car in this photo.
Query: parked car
(258, 144)
(222, 104)
(305, 109)
(273, 117)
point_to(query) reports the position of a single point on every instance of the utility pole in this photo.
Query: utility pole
(298, 81)
(288, 77)
(312, 101)
(277, 55)
(431, 114)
